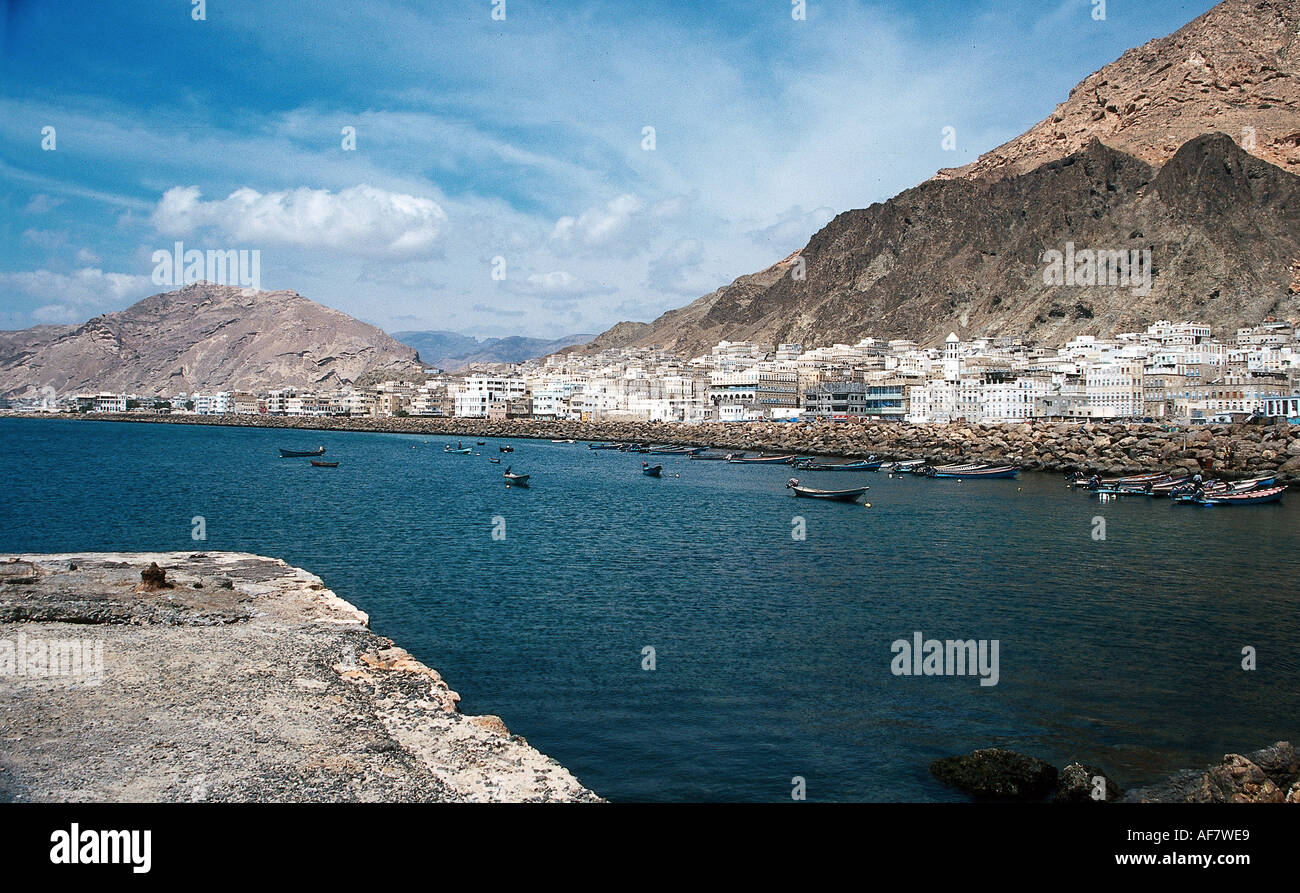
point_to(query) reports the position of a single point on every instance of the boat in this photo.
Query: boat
(461, 452)
(905, 466)
(519, 480)
(563, 441)
(481, 442)
(833, 495)
(973, 471)
(494, 460)
(864, 465)
(763, 460)
(1141, 480)
(604, 446)
(1121, 491)
(675, 451)
(711, 457)
(652, 471)
(301, 454)
(320, 464)
(1250, 497)
(506, 449)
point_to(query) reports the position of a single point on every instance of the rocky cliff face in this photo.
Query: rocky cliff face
(1222, 229)
(1143, 155)
(204, 337)
(1235, 69)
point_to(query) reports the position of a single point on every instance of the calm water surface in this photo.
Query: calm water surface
(772, 655)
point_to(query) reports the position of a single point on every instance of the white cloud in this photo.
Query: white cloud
(74, 297)
(598, 226)
(42, 204)
(556, 281)
(363, 220)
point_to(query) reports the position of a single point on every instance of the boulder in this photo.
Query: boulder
(1076, 785)
(997, 774)
(153, 578)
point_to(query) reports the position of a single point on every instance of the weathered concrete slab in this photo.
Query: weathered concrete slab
(244, 679)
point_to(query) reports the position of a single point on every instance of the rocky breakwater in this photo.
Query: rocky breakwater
(229, 677)
(1239, 450)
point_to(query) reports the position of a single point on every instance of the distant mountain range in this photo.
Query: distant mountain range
(203, 337)
(452, 351)
(1142, 157)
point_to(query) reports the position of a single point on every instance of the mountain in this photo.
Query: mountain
(965, 251)
(449, 350)
(1234, 70)
(203, 337)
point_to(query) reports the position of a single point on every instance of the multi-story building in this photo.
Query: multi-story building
(477, 393)
(855, 399)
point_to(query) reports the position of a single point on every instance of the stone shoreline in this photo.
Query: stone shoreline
(239, 679)
(1220, 450)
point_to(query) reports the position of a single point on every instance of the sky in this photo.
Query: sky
(501, 178)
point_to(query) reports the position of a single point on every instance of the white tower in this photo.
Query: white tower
(952, 357)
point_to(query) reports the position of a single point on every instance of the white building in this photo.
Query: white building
(478, 392)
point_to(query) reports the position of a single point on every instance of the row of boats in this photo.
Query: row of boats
(1184, 488)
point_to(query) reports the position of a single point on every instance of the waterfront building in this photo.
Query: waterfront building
(478, 392)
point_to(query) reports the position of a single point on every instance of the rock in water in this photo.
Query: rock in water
(996, 774)
(1076, 785)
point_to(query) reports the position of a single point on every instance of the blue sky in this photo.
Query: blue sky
(478, 139)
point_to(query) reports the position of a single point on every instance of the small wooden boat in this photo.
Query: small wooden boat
(1121, 491)
(764, 460)
(973, 471)
(563, 441)
(710, 457)
(506, 449)
(904, 466)
(518, 480)
(301, 454)
(1250, 497)
(1141, 480)
(865, 465)
(320, 464)
(652, 471)
(604, 446)
(480, 442)
(833, 495)
(495, 461)
(675, 451)
(461, 452)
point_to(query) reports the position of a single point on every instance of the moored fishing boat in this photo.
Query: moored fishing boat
(652, 471)
(604, 446)
(505, 449)
(711, 457)
(675, 451)
(1250, 497)
(301, 454)
(763, 460)
(1079, 479)
(850, 495)
(973, 471)
(518, 480)
(862, 465)
(904, 466)
(320, 464)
